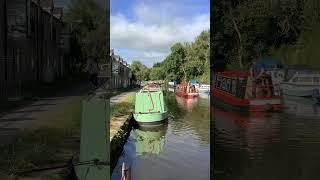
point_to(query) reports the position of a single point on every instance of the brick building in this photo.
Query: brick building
(30, 50)
(121, 72)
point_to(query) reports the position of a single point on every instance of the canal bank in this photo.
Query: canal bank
(178, 149)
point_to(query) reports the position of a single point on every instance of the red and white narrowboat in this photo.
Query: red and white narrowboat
(186, 91)
(237, 90)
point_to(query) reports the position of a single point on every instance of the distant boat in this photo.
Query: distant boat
(204, 88)
(172, 84)
(237, 90)
(195, 83)
(186, 91)
(302, 83)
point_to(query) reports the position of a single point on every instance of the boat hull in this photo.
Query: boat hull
(186, 95)
(298, 90)
(246, 105)
(150, 118)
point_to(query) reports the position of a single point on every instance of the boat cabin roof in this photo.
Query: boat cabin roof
(236, 74)
(182, 85)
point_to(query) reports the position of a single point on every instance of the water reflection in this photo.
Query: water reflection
(178, 150)
(268, 145)
(150, 140)
(186, 103)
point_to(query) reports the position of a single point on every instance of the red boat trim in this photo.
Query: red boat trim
(230, 99)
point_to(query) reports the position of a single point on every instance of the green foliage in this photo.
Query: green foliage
(251, 29)
(157, 73)
(186, 61)
(89, 30)
(140, 71)
(304, 51)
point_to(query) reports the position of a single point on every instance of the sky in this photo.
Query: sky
(145, 30)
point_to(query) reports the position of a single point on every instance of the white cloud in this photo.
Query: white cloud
(154, 30)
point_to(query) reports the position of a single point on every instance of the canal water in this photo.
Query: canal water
(268, 146)
(176, 150)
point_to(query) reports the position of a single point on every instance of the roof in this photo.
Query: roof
(182, 85)
(234, 73)
(194, 81)
(266, 62)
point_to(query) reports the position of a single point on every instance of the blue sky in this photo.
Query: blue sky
(146, 29)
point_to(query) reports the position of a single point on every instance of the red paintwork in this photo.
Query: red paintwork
(233, 74)
(229, 98)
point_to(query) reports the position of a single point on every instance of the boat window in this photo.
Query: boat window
(233, 90)
(275, 74)
(218, 82)
(223, 85)
(316, 79)
(295, 79)
(228, 86)
(305, 79)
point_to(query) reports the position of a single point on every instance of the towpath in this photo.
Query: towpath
(38, 112)
(117, 122)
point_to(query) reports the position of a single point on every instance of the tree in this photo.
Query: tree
(87, 21)
(140, 71)
(157, 73)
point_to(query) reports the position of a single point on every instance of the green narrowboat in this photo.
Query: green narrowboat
(149, 107)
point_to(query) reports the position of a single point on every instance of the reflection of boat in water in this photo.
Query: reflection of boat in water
(189, 104)
(301, 106)
(150, 140)
(256, 130)
(149, 107)
(171, 89)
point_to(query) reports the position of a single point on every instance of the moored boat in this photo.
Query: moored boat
(195, 83)
(237, 90)
(149, 107)
(302, 83)
(204, 88)
(186, 91)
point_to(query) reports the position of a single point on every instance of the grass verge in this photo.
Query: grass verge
(44, 145)
(124, 107)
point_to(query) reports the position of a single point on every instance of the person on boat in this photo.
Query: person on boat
(264, 86)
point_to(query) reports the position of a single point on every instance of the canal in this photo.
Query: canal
(268, 146)
(177, 150)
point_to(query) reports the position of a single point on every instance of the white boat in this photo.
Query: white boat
(204, 88)
(301, 83)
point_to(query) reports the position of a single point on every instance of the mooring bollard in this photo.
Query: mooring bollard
(95, 145)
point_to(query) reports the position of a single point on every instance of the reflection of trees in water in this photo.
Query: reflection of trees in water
(172, 105)
(194, 116)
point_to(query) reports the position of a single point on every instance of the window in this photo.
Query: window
(218, 82)
(228, 85)
(223, 84)
(305, 79)
(295, 79)
(316, 79)
(233, 87)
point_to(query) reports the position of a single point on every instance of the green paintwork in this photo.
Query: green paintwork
(149, 142)
(143, 107)
(94, 139)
